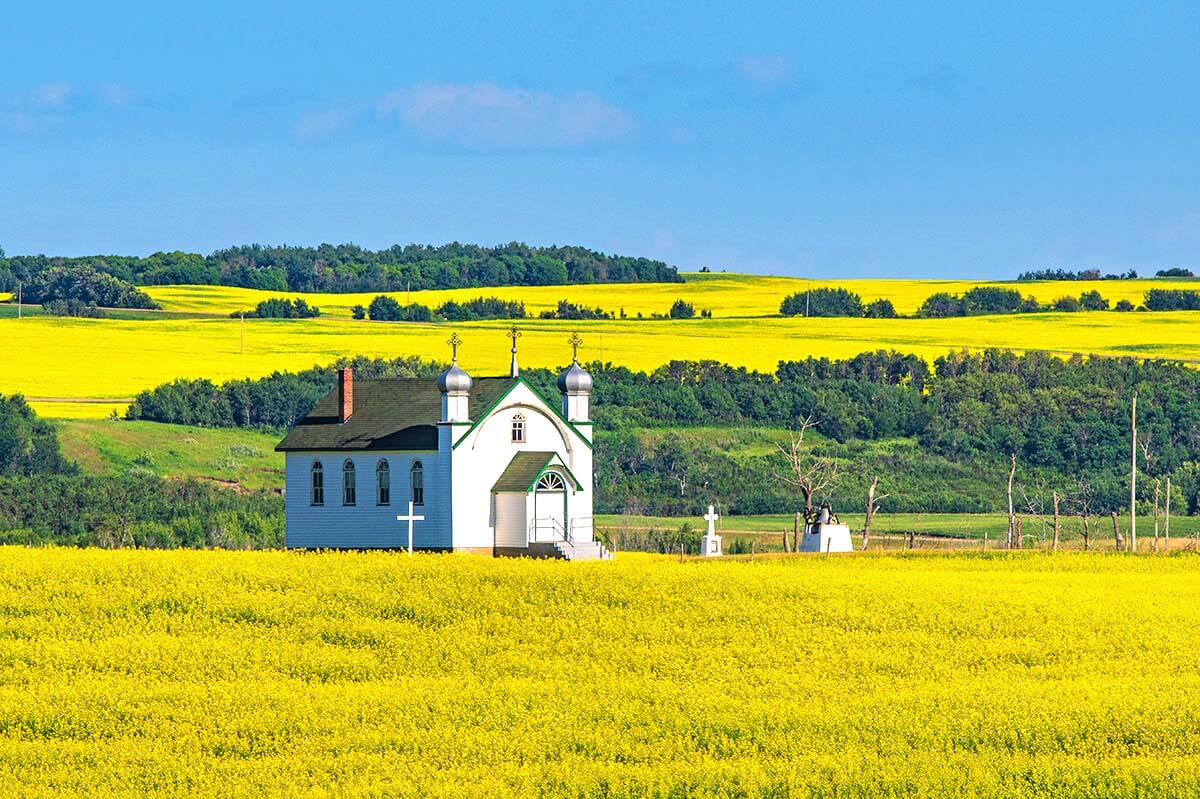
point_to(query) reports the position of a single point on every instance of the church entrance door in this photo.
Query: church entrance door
(550, 508)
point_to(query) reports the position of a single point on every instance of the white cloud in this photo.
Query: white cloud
(490, 115)
(765, 70)
(113, 95)
(52, 95)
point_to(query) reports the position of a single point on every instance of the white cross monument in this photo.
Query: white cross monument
(710, 545)
(410, 518)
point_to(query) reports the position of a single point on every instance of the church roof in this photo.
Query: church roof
(394, 414)
(524, 470)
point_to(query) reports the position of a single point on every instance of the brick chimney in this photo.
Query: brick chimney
(345, 393)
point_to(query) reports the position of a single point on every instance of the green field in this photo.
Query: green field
(232, 457)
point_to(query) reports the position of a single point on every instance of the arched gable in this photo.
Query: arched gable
(505, 409)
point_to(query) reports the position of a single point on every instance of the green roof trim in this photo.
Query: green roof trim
(526, 468)
(515, 382)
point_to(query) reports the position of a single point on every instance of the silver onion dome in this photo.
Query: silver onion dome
(575, 380)
(454, 380)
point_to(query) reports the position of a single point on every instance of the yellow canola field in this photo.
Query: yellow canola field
(724, 294)
(116, 358)
(224, 674)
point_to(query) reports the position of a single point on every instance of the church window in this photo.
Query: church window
(551, 481)
(348, 492)
(518, 429)
(418, 483)
(383, 483)
(318, 483)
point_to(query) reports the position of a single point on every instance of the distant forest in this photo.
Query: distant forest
(349, 268)
(1065, 420)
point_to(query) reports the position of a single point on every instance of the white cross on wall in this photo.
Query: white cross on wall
(410, 518)
(711, 517)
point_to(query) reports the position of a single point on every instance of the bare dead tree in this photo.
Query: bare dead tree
(1079, 502)
(873, 501)
(1057, 523)
(1167, 520)
(1020, 539)
(1118, 541)
(810, 474)
(1012, 519)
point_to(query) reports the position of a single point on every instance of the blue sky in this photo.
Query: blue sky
(840, 139)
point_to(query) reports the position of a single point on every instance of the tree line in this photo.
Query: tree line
(44, 498)
(350, 268)
(977, 301)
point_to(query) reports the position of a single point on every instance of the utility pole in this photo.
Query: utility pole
(1133, 477)
(807, 292)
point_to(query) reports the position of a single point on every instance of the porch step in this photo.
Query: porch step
(568, 550)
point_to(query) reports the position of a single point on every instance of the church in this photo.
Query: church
(487, 464)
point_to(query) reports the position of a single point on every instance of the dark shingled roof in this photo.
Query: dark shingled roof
(524, 469)
(397, 414)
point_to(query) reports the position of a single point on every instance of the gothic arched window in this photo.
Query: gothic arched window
(318, 483)
(348, 493)
(417, 478)
(518, 429)
(383, 483)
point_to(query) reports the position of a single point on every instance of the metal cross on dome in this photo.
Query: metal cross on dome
(514, 334)
(454, 341)
(576, 342)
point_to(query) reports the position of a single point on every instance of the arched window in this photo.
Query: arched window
(348, 492)
(417, 475)
(518, 429)
(551, 481)
(383, 483)
(318, 483)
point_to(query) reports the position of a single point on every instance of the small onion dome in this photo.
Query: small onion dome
(454, 380)
(575, 380)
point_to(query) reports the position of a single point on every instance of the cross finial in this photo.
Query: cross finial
(454, 341)
(514, 334)
(575, 341)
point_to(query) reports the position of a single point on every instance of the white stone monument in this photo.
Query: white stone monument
(710, 545)
(826, 534)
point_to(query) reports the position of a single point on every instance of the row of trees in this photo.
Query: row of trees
(45, 499)
(279, 308)
(978, 301)
(349, 268)
(64, 289)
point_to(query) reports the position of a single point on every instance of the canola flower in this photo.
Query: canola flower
(116, 358)
(183, 673)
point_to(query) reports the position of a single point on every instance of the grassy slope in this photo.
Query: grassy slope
(230, 456)
(219, 674)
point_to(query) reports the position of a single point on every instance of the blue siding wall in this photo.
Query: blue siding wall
(366, 525)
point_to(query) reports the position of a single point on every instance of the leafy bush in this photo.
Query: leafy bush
(1092, 301)
(1177, 271)
(279, 308)
(1172, 300)
(681, 310)
(481, 308)
(822, 302)
(387, 309)
(569, 310)
(880, 309)
(86, 286)
(76, 308)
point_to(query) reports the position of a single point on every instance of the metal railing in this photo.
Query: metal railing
(548, 529)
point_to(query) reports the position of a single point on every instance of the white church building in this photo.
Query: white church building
(487, 464)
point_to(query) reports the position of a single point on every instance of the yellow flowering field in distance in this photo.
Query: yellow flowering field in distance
(250, 674)
(115, 358)
(725, 294)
